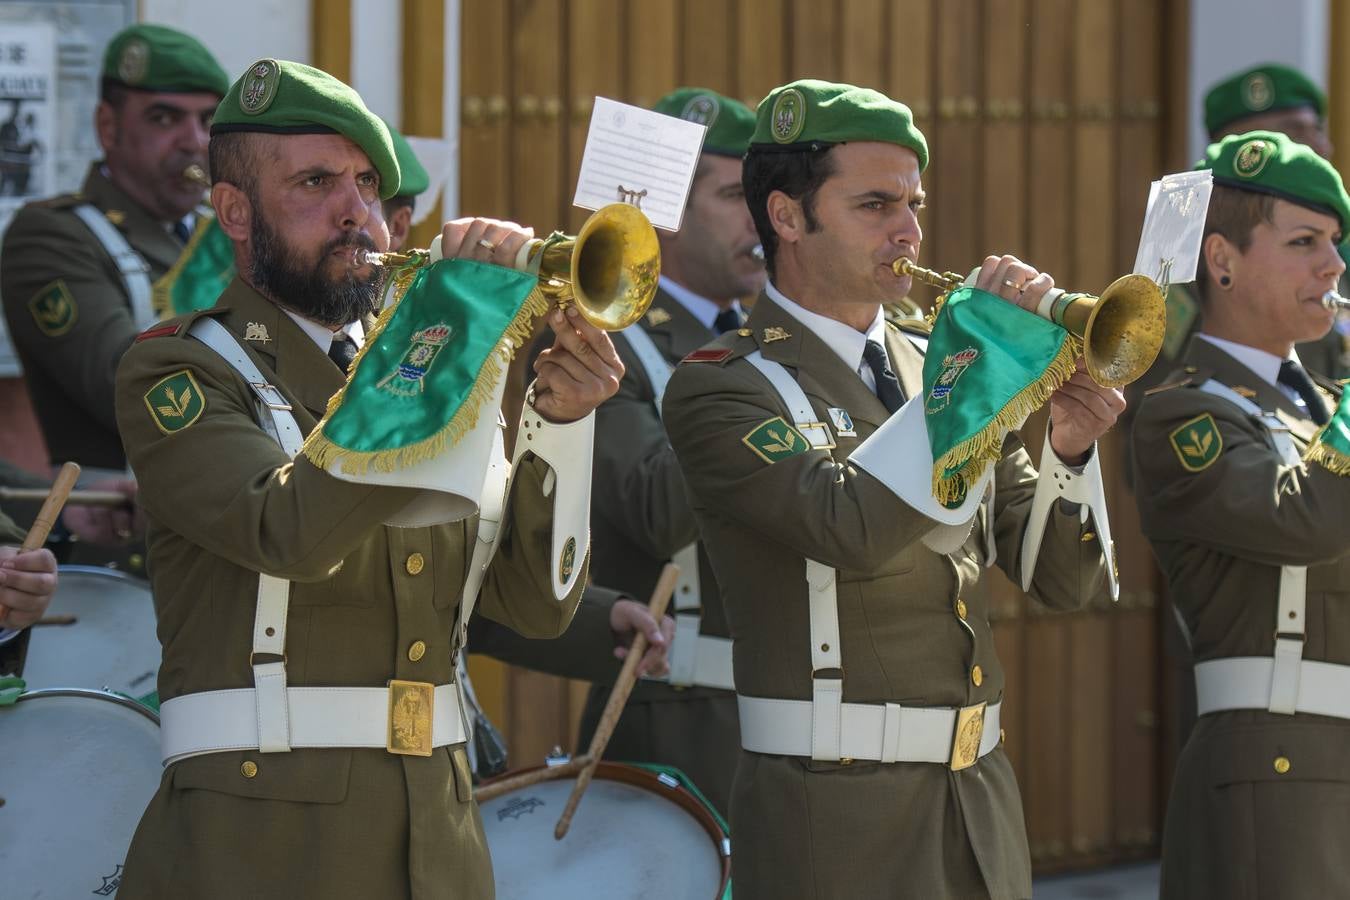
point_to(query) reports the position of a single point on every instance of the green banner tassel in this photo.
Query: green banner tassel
(989, 365)
(428, 366)
(200, 274)
(1331, 445)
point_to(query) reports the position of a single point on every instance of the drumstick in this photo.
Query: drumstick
(623, 686)
(77, 498)
(485, 792)
(47, 516)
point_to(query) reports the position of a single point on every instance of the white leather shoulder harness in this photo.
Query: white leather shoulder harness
(131, 266)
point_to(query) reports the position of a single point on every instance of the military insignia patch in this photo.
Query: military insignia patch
(775, 440)
(260, 87)
(702, 109)
(256, 331)
(1258, 93)
(788, 116)
(406, 380)
(1197, 443)
(568, 560)
(175, 402)
(53, 309)
(774, 333)
(953, 367)
(1252, 157)
(134, 62)
(115, 216)
(842, 422)
(657, 316)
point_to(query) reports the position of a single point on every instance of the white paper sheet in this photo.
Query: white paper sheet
(1174, 227)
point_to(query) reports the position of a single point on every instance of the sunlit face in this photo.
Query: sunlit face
(867, 215)
(712, 252)
(149, 140)
(1290, 263)
(1302, 123)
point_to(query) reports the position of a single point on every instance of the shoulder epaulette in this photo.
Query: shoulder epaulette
(913, 326)
(61, 201)
(176, 327)
(725, 347)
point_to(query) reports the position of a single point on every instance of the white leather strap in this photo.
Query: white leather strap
(491, 506)
(885, 732)
(274, 412)
(1055, 482)
(131, 266)
(1279, 432)
(794, 398)
(699, 660)
(688, 587)
(1245, 682)
(654, 364)
(218, 721)
(568, 450)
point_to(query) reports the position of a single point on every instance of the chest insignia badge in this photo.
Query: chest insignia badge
(657, 316)
(842, 422)
(774, 333)
(256, 331)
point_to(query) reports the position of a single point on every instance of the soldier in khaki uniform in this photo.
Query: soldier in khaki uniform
(291, 615)
(76, 271)
(868, 685)
(1252, 539)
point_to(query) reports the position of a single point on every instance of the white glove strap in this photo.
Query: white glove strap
(567, 449)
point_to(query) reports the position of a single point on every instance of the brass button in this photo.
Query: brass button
(977, 675)
(415, 564)
(961, 609)
(417, 650)
(1281, 764)
(136, 562)
(248, 769)
(1002, 737)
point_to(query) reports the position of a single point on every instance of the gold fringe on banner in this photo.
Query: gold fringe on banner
(1326, 456)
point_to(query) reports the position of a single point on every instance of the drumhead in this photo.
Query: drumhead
(636, 834)
(79, 768)
(111, 645)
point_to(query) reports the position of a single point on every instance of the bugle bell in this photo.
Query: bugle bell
(1121, 330)
(609, 269)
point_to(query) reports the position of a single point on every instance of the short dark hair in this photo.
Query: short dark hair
(1233, 213)
(797, 173)
(397, 202)
(234, 157)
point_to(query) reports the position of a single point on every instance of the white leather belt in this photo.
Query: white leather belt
(218, 721)
(1244, 682)
(886, 732)
(709, 660)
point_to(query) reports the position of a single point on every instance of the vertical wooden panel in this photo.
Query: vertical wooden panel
(1050, 228)
(424, 87)
(910, 78)
(762, 29)
(594, 48)
(331, 37)
(653, 66)
(484, 136)
(1047, 725)
(954, 165)
(862, 27)
(707, 35)
(815, 39)
(539, 196)
(1006, 204)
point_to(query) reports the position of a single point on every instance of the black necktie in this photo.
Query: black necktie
(1292, 375)
(728, 319)
(342, 351)
(888, 386)
(181, 231)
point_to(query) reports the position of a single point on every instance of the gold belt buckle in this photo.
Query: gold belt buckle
(410, 707)
(969, 733)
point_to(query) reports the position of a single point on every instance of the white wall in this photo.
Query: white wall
(238, 31)
(1230, 35)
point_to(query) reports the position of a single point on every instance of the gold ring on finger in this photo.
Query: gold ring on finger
(1014, 285)
(487, 245)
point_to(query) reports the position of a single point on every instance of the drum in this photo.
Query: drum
(636, 834)
(110, 642)
(79, 768)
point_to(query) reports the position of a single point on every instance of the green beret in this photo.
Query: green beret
(414, 179)
(155, 58)
(284, 97)
(810, 114)
(730, 122)
(1271, 163)
(1257, 90)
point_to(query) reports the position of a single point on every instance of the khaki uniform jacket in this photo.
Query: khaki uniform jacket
(12, 651)
(912, 631)
(70, 362)
(1237, 828)
(224, 502)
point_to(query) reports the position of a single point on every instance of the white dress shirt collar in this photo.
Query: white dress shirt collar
(322, 335)
(846, 342)
(1267, 365)
(699, 307)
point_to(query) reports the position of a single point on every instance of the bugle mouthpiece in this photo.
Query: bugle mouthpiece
(1334, 301)
(197, 175)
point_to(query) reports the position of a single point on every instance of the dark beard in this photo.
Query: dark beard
(277, 271)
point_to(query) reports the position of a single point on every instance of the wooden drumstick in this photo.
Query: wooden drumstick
(77, 498)
(623, 686)
(485, 792)
(47, 516)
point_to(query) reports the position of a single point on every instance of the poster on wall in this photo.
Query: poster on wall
(27, 115)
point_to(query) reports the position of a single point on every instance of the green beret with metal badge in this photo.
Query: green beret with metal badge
(729, 122)
(284, 97)
(413, 177)
(1267, 162)
(155, 58)
(1257, 90)
(810, 114)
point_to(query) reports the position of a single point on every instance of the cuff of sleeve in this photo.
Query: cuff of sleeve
(1060, 484)
(567, 450)
(899, 455)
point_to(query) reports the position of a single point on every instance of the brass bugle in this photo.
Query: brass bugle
(609, 268)
(1121, 330)
(197, 175)
(1334, 301)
